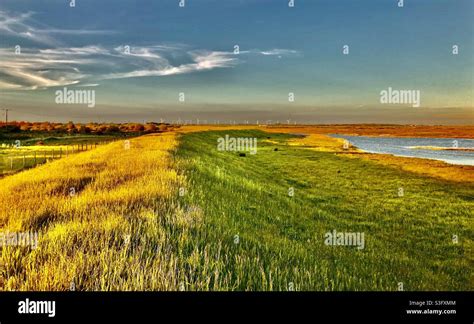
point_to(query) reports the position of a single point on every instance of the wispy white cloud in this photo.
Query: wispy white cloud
(61, 65)
(202, 60)
(43, 68)
(38, 69)
(75, 31)
(86, 50)
(21, 26)
(279, 52)
(35, 70)
(89, 85)
(36, 80)
(25, 26)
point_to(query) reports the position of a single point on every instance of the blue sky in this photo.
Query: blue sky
(282, 50)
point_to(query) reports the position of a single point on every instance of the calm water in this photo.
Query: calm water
(403, 146)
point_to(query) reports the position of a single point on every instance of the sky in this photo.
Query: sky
(141, 57)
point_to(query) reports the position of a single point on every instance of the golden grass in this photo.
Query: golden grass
(13, 160)
(37, 148)
(84, 237)
(319, 142)
(437, 148)
(430, 168)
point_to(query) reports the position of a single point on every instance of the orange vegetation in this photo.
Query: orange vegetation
(438, 131)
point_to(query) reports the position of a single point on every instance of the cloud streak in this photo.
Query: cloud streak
(58, 65)
(44, 68)
(39, 69)
(201, 61)
(24, 26)
(279, 52)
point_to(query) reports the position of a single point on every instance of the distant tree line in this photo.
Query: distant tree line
(89, 128)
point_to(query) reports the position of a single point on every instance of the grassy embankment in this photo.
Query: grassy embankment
(235, 226)
(113, 233)
(281, 238)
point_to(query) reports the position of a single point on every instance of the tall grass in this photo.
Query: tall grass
(174, 213)
(112, 232)
(408, 240)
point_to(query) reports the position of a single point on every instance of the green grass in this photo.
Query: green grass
(281, 238)
(48, 139)
(53, 147)
(71, 140)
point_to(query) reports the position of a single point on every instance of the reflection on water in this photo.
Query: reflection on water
(412, 147)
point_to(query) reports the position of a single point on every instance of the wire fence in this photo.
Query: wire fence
(17, 159)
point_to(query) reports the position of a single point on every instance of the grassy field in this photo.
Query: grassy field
(174, 213)
(27, 138)
(102, 235)
(281, 238)
(16, 155)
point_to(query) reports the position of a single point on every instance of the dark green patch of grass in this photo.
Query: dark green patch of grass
(280, 245)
